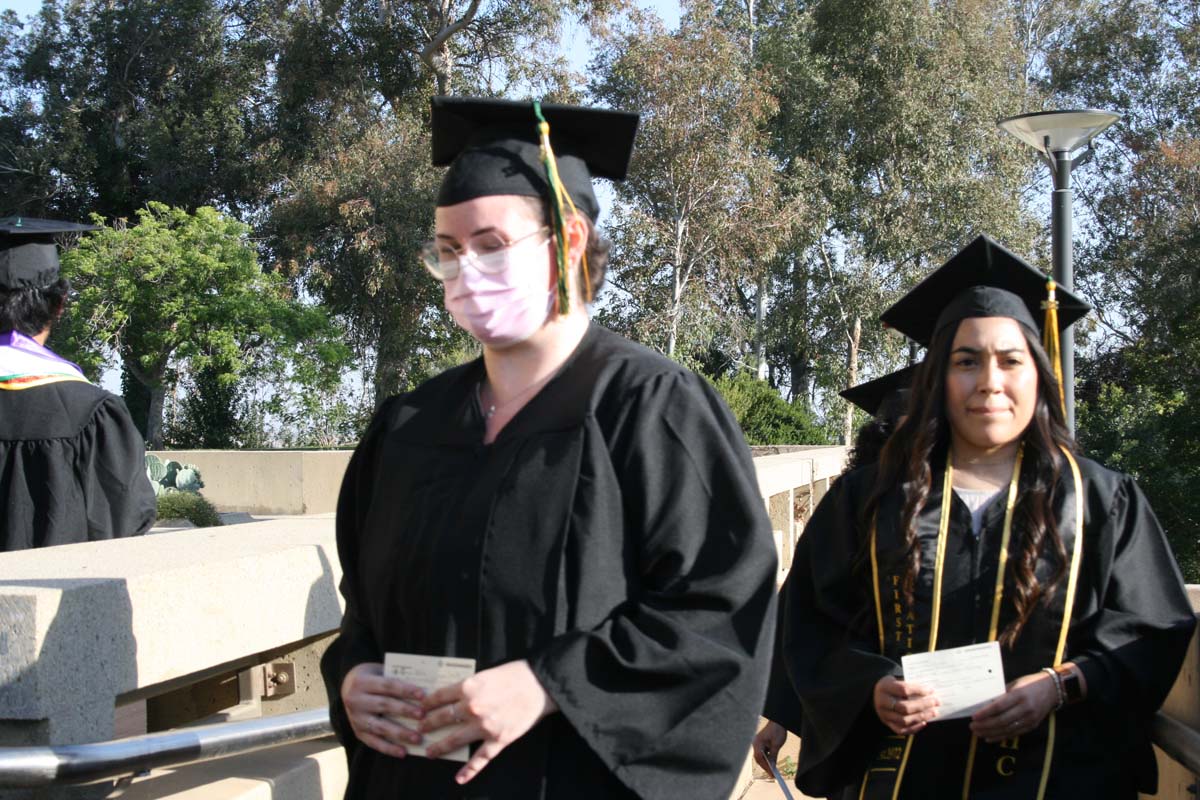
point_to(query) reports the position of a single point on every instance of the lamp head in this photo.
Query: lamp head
(1058, 131)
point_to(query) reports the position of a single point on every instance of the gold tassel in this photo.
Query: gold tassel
(1050, 340)
(559, 193)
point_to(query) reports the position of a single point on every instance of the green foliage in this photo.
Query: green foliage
(118, 104)
(1156, 438)
(211, 415)
(703, 210)
(764, 416)
(187, 505)
(184, 291)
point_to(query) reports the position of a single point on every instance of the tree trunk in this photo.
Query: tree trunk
(800, 360)
(760, 329)
(852, 376)
(154, 420)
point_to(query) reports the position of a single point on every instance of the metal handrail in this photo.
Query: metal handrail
(1179, 741)
(90, 763)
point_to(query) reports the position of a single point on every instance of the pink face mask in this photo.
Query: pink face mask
(504, 305)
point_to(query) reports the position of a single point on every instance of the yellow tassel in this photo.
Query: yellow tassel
(559, 193)
(1050, 340)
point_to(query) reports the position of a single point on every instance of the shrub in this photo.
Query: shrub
(764, 416)
(191, 506)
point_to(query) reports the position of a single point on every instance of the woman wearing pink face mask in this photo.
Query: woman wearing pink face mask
(573, 512)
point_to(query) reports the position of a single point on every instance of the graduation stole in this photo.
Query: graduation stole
(25, 364)
(885, 774)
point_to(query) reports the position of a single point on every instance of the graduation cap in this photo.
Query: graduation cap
(984, 279)
(876, 395)
(544, 150)
(28, 255)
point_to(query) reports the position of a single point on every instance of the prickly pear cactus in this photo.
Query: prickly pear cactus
(156, 470)
(187, 479)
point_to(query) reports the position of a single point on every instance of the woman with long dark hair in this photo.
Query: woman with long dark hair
(982, 523)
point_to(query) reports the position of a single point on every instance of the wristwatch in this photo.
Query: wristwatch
(1072, 686)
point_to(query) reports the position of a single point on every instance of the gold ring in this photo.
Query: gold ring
(894, 701)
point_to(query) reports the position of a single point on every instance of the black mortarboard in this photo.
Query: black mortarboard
(984, 279)
(28, 255)
(872, 396)
(492, 147)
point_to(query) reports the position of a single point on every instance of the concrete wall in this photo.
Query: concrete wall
(268, 481)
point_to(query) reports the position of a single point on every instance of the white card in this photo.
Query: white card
(430, 673)
(965, 679)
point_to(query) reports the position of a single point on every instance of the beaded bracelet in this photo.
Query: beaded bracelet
(1058, 686)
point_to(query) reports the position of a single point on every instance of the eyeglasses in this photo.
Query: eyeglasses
(486, 252)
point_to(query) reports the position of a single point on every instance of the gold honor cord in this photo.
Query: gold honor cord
(1068, 608)
(998, 594)
(875, 582)
(939, 562)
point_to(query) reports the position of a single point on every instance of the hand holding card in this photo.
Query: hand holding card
(964, 679)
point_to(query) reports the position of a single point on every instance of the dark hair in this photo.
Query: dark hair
(596, 251)
(875, 432)
(923, 438)
(30, 311)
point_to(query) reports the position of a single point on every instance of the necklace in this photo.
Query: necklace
(490, 410)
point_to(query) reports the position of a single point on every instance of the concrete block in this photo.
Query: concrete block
(126, 619)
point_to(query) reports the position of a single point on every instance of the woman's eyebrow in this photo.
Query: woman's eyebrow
(488, 229)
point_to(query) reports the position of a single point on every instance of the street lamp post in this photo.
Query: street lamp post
(1057, 136)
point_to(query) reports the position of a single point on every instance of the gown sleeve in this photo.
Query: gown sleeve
(354, 644)
(668, 687)
(112, 472)
(782, 706)
(829, 646)
(1131, 651)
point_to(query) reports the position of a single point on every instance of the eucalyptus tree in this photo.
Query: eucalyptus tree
(1138, 243)
(703, 209)
(110, 105)
(888, 110)
(352, 88)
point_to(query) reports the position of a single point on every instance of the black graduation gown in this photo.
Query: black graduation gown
(613, 535)
(1129, 632)
(72, 467)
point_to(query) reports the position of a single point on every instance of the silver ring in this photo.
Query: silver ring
(457, 714)
(894, 701)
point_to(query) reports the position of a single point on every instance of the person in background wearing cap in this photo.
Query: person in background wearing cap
(72, 464)
(574, 512)
(983, 523)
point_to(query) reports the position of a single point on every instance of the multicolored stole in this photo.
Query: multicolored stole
(1017, 767)
(25, 364)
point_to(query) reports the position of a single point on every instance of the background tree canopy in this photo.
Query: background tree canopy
(800, 164)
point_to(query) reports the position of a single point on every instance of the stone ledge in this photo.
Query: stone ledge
(120, 617)
(302, 771)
